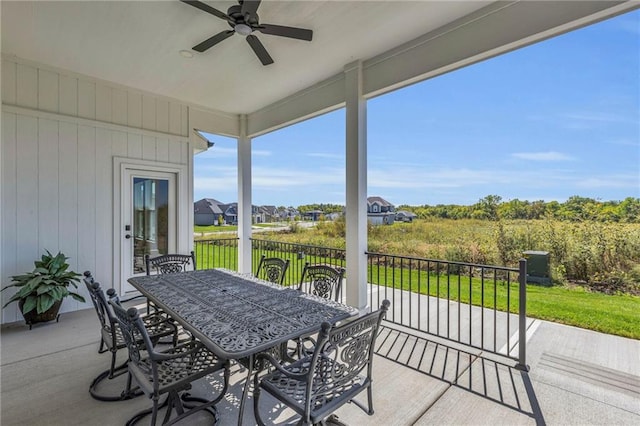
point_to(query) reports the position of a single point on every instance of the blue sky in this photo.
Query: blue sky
(552, 120)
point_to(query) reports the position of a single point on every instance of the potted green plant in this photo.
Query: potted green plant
(42, 290)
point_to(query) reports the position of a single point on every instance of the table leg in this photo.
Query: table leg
(245, 391)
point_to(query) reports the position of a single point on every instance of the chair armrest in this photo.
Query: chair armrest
(278, 366)
(195, 348)
(132, 298)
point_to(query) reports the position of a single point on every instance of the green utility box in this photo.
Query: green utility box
(538, 268)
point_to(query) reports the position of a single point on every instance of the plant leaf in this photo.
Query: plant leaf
(29, 304)
(44, 303)
(76, 296)
(45, 288)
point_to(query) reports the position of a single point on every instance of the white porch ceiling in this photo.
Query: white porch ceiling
(137, 44)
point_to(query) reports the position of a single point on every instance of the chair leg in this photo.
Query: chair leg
(154, 413)
(370, 397)
(172, 402)
(256, 398)
(127, 393)
(112, 369)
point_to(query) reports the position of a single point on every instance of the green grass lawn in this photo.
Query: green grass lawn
(611, 314)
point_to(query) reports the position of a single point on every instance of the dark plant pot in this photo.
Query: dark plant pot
(33, 317)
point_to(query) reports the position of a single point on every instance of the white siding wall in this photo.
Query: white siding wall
(59, 136)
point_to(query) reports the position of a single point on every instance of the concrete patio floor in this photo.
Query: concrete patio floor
(577, 377)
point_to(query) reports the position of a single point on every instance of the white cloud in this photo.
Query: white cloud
(542, 156)
(273, 178)
(326, 155)
(612, 181)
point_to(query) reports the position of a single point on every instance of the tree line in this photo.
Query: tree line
(575, 209)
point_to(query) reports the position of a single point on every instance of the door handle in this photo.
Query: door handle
(127, 236)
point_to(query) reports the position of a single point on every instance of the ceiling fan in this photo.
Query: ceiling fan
(243, 19)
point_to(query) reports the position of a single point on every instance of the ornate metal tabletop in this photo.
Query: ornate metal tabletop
(238, 315)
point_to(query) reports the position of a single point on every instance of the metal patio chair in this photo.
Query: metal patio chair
(322, 280)
(339, 369)
(111, 339)
(170, 371)
(170, 263)
(272, 269)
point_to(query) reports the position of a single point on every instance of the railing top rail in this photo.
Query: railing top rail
(216, 239)
(424, 259)
(296, 244)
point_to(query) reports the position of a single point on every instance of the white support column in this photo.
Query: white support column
(244, 198)
(356, 189)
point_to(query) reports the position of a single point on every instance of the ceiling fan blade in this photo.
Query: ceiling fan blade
(205, 7)
(259, 50)
(291, 32)
(250, 7)
(210, 42)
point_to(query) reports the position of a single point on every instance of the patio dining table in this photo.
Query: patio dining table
(237, 315)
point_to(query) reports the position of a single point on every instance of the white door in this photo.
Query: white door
(149, 219)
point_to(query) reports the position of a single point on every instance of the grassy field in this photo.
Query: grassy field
(211, 229)
(566, 302)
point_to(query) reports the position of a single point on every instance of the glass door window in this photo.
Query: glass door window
(150, 220)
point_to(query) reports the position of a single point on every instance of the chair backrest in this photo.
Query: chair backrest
(322, 280)
(341, 354)
(134, 333)
(99, 302)
(170, 263)
(272, 269)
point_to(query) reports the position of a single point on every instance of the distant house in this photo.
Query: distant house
(269, 213)
(206, 212)
(287, 213)
(230, 213)
(313, 215)
(380, 211)
(405, 216)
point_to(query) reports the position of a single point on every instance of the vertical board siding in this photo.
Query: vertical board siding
(48, 91)
(9, 82)
(162, 150)
(148, 112)
(68, 96)
(26, 244)
(47, 184)
(86, 200)
(103, 103)
(119, 106)
(162, 115)
(134, 110)
(9, 211)
(27, 86)
(149, 148)
(104, 210)
(68, 205)
(175, 119)
(57, 171)
(86, 99)
(134, 145)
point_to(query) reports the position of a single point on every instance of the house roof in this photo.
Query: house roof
(138, 43)
(207, 205)
(379, 200)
